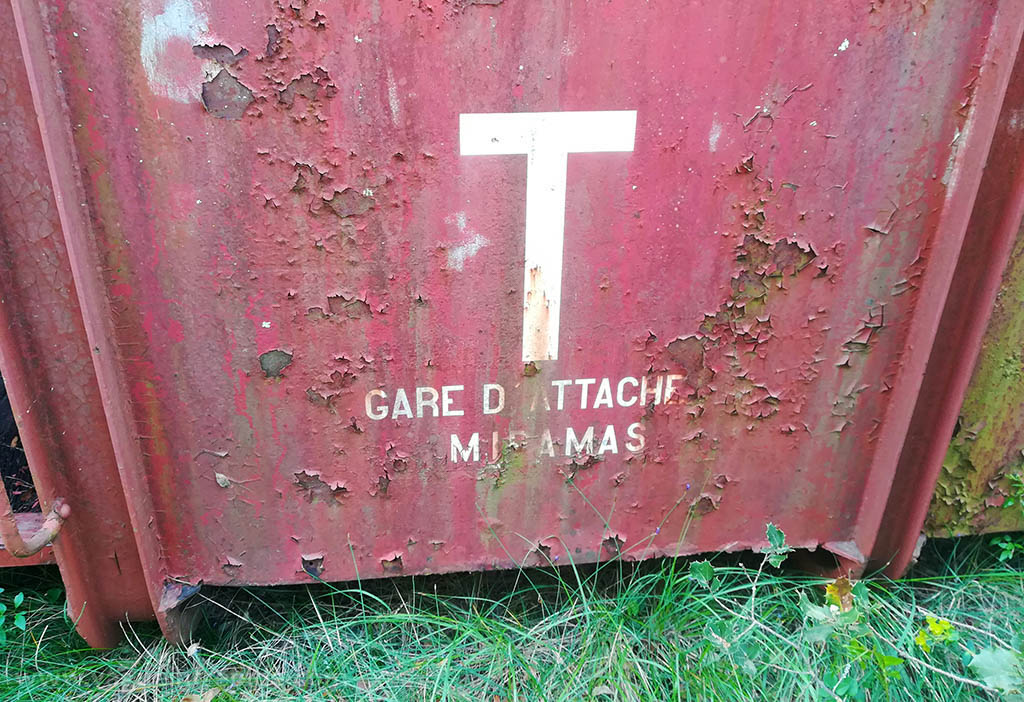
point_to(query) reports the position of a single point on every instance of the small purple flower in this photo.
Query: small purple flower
(657, 530)
(687, 486)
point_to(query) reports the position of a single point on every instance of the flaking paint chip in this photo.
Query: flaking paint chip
(274, 361)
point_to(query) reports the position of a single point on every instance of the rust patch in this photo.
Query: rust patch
(273, 40)
(349, 202)
(540, 556)
(313, 564)
(392, 563)
(225, 96)
(537, 317)
(383, 481)
(613, 544)
(305, 85)
(705, 504)
(688, 352)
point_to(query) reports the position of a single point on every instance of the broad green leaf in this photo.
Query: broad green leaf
(818, 633)
(889, 661)
(776, 537)
(703, 572)
(18, 599)
(815, 612)
(19, 621)
(999, 668)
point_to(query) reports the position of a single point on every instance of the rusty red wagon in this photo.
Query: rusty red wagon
(295, 288)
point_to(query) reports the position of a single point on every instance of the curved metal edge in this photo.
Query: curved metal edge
(103, 572)
(994, 220)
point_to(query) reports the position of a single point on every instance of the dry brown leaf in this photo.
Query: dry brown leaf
(840, 593)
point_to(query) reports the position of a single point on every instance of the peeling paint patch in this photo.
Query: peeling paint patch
(348, 305)
(458, 254)
(274, 361)
(315, 487)
(273, 39)
(165, 37)
(713, 135)
(393, 103)
(308, 85)
(219, 53)
(949, 175)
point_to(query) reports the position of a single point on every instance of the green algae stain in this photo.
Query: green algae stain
(984, 466)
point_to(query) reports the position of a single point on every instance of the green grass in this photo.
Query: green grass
(651, 631)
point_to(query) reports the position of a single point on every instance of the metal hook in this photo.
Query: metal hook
(14, 544)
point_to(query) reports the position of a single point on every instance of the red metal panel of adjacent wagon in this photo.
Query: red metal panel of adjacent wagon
(398, 287)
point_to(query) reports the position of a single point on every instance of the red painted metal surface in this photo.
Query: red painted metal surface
(316, 254)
